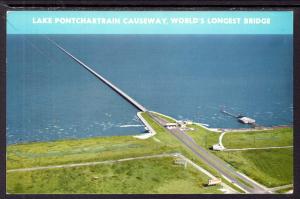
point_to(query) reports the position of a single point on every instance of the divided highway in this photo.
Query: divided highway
(222, 167)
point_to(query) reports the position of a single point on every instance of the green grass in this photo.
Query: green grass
(158, 175)
(170, 141)
(270, 167)
(81, 150)
(244, 182)
(284, 190)
(254, 139)
(92, 149)
(232, 186)
(203, 137)
(169, 119)
(162, 133)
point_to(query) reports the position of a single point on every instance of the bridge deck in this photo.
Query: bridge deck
(107, 82)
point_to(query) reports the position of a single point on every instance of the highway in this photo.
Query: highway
(104, 80)
(213, 161)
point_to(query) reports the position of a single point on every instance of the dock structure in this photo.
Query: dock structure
(107, 82)
(230, 114)
(246, 120)
(241, 118)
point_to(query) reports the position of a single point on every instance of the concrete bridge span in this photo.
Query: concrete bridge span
(104, 80)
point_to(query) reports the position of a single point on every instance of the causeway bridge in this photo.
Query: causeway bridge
(104, 80)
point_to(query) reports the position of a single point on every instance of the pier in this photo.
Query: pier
(242, 119)
(104, 80)
(230, 114)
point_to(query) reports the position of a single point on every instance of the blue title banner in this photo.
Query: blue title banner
(150, 22)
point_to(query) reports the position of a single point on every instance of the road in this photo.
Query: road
(104, 80)
(282, 187)
(213, 161)
(259, 148)
(92, 163)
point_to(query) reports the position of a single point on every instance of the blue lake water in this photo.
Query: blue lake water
(50, 96)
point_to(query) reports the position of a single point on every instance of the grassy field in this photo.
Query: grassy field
(203, 137)
(284, 190)
(170, 141)
(81, 150)
(270, 167)
(169, 119)
(93, 149)
(254, 139)
(158, 175)
(273, 167)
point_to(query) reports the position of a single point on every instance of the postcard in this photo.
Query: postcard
(149, 102)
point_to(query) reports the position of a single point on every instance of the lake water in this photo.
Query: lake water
(50, 96)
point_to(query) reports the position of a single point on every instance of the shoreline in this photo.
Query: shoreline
(242, 130)
(150, 134)
(219, 130)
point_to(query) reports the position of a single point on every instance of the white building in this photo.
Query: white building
(246, 120)
(179, 123)
(214, 181)
(218, 147)
(171, 125)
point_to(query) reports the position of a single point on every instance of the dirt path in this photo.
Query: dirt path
(246, 149)
(282, 187)
(91, 163)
